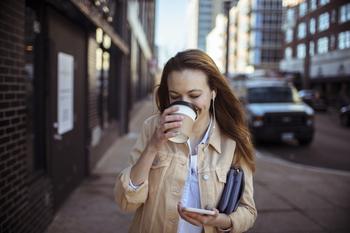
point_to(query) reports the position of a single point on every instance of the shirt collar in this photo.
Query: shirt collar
(212, 136)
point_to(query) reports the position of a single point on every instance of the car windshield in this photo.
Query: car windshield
(270, 95)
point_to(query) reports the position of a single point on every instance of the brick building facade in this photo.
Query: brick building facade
(317, 47)
(70, 72)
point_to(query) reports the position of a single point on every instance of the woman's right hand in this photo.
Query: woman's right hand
(167, 124)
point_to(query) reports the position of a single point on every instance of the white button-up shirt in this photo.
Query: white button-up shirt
(191, 194)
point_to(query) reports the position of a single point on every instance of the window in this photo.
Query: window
(312, 26)
(288, 53)
(271, 38)
(256, 20)
(290, 15)
(271, 19)
(322, 45)
(256, 38)
(255, 56)
(270, 55)
(301, 30)
(302, 9)
(323, 21)
(34, 86)
(301, 51)
(323, 2)
(344, 14)
(312, 48)
(289, 35)
(344, 40)
(313, 5)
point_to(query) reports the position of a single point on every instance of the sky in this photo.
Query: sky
(170, 28)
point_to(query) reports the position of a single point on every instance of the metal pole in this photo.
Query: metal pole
(227, 6)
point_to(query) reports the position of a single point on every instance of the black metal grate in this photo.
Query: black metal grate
(285, 119)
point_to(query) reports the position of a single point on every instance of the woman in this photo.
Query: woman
(164, 176)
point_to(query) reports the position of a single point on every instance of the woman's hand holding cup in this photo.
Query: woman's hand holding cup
(168, 123)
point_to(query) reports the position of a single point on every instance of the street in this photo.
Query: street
(319, 204)
(329, 149)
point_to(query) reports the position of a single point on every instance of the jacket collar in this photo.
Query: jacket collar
(215, 137)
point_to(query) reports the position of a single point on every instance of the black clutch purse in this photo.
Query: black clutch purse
(232, 192)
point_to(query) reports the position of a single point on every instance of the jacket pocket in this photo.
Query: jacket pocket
(162, 159)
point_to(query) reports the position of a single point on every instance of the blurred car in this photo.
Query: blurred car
(344, 115)
(312, 98)
(276, 113)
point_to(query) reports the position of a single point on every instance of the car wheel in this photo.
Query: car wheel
(305, 141)
(344, 120)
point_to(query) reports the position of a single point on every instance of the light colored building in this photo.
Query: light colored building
(192, 27)
(216, 42)
(233, 46)
(255, 36)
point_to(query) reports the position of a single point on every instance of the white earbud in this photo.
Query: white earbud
(213, 95)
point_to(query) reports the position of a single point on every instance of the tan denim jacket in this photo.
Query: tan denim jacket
(155, 201)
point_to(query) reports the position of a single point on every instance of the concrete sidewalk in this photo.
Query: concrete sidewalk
(290, 198)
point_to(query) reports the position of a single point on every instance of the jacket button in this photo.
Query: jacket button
(205, 177)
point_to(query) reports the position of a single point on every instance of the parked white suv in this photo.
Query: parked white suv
(275, 112)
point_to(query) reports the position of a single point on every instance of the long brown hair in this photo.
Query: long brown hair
(228, 109)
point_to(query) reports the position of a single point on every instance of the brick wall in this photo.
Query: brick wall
(12, 116)
(21, 196)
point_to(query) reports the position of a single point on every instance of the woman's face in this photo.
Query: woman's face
(190, 86)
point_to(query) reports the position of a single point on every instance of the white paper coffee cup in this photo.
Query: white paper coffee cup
(189, 112)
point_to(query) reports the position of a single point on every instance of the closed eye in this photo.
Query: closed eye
(174, 97)
(194, 96)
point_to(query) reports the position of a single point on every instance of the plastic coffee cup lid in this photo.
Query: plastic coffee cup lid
(185, 108)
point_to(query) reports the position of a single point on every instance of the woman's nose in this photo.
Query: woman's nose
(185, 98)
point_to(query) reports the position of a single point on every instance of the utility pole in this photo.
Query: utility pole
(227, 7)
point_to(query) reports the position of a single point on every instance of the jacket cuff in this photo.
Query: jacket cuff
(131, 194)
(240, 221)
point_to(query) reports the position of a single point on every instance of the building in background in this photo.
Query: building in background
(192, 12)
(216, 42)
(70, 72)
(255, 36)
(317, 46)
(233, 46)
(202, 16)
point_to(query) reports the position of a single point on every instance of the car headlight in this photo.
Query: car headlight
(310, 120)
(258, 121)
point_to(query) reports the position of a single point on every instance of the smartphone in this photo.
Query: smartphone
(199, 211)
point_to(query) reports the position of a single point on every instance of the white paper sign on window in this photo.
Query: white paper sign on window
(65, 92)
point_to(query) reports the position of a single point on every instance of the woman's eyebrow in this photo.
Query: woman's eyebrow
(193, 90)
